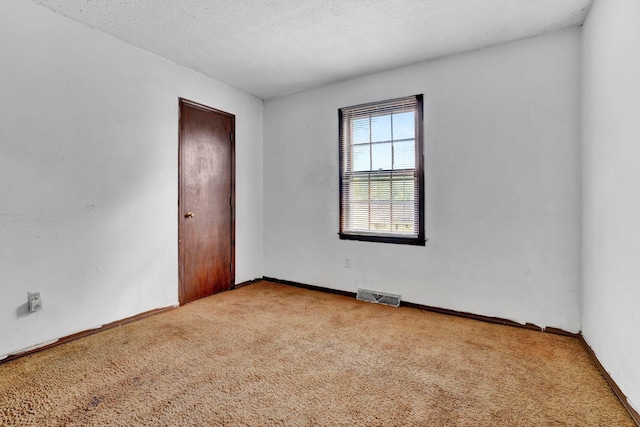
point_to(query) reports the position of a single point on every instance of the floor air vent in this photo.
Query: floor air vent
(378, 297)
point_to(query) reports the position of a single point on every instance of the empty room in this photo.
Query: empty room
(370, 213)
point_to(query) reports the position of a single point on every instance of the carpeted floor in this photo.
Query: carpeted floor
(269, 354)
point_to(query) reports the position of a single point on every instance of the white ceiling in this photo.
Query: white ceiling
(274, 47)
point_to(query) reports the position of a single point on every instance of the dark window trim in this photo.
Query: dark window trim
(415, 241)
(420, 240)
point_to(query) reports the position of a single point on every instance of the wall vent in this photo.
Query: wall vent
(378, 297)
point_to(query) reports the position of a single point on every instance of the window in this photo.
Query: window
(381, 172)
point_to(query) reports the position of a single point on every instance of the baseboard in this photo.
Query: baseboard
(247, 283)
(614, 386)
(311, 287)
(479, 317)
(490, 319)
(86, 333)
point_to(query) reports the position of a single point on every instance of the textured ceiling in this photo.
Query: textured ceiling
(274, 47)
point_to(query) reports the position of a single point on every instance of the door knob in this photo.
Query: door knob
(189, 215)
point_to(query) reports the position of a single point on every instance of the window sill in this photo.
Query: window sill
(415, 241)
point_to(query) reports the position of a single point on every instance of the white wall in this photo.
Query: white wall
(88, 175)
(502, 185)
(611, 200)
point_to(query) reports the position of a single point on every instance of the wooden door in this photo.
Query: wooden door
(205, 201)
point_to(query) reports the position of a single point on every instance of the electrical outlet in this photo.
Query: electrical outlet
(35, 301)
(35, 305)
(34, 296)
(347, 263)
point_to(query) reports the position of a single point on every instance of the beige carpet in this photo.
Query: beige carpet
(269, 354)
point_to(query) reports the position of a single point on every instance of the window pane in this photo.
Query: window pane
(360, 130)
(404, 154)
(360, 190)
(380, 190)
(404, 126)
(403, 207)
(380, 216)
(381, 156)
(403, 190)
(361, 158)
(403, 217)
(381, 128)
(360, 216)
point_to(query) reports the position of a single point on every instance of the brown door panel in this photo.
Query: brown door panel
(206, 220)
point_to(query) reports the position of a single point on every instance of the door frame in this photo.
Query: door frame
(232, 276)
